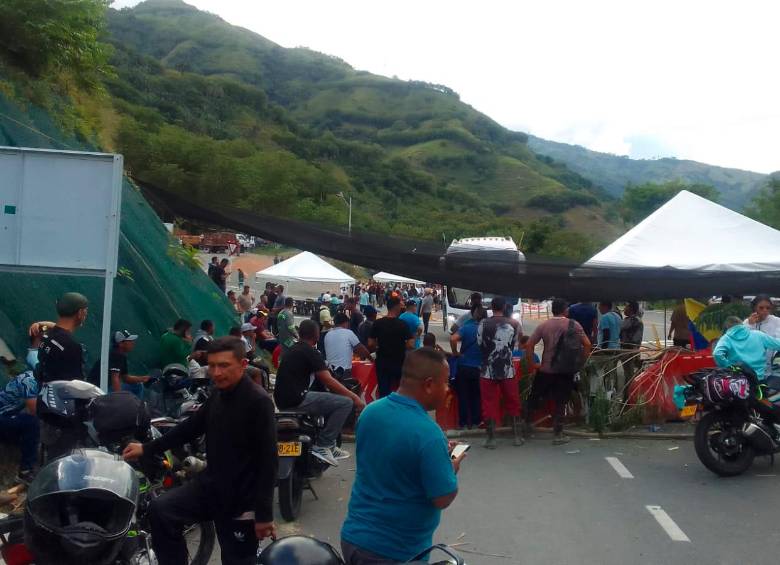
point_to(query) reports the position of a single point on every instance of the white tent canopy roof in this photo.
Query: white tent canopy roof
(306, 267)
(690, 232)
(388, 277)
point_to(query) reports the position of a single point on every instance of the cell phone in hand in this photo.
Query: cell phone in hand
(459, 450)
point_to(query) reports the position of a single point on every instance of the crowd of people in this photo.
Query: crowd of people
(407, 475)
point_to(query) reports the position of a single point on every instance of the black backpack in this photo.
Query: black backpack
(569, 355)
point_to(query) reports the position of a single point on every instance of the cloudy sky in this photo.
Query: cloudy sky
(645, 78)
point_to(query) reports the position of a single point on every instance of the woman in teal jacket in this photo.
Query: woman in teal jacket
(742, 345)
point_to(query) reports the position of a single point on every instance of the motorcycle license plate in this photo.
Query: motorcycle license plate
(688, 411)
(289, 448)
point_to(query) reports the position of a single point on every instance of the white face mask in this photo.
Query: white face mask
(32, 358)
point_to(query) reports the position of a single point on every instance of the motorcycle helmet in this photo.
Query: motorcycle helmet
(299, 550)
(175, 376)
(79, 509)
(63, 403)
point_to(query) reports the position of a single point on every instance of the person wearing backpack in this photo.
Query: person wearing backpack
(566, 347)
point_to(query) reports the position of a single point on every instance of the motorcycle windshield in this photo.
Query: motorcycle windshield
(87, 469)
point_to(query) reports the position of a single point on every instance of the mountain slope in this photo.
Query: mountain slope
(614, 172)
(416, 159)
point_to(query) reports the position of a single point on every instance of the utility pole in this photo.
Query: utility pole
(349, 204)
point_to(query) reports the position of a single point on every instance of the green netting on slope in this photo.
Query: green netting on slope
(157, 291)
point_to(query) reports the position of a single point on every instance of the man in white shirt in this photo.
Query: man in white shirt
(340, 344)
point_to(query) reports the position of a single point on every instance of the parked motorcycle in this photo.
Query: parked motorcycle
(297, 433)
(740, 418)
(305, 550)
(77, 415)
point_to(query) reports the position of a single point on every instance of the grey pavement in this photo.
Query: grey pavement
(541, 504)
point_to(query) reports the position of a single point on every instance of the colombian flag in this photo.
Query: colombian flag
(701, 340)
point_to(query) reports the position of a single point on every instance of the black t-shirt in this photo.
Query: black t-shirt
(217, 275)
(355, 319)
(294, 376)
(391, 335)
(61, 358)
(202, 345)
(271, 300)
(117, 363)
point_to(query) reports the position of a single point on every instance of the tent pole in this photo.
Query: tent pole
(666, 334)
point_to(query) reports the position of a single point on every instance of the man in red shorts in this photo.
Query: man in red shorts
(497, 337)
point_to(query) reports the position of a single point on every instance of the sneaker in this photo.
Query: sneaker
(561, 439)
(339, 453)
(25, 477)
(324, 454)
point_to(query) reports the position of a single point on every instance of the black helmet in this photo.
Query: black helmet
(175, 376)
(63, 403)
(79, 509)
(299, 550)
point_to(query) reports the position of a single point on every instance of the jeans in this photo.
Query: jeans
(549, 384)
(353, 555)
(335, 408)
(23, 430)
(191, 503)
(426, 318)
(467, 387)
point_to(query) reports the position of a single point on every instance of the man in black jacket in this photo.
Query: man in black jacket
(236, 489)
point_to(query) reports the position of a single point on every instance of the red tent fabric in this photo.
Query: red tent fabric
(654, 387)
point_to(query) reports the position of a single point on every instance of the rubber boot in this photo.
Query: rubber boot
(490, 442)
(516, 430)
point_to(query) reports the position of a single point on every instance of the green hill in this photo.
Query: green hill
(613, 172)
(416, 159)
(154, 286)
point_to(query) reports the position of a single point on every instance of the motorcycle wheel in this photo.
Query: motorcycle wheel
(708, 441)
(291, 495)
(200, 540)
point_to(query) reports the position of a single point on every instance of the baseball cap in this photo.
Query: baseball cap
(247, 327)
(124, 335)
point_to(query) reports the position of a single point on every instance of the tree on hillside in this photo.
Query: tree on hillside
(50, 36)
(639, 201)
(765, 206)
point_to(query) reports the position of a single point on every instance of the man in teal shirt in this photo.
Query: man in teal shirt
(411, 319)
(609, 327)
(176, 344)
(404, 476)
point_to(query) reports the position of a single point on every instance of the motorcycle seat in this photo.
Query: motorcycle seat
(772, 383)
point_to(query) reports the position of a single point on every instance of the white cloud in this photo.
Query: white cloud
(695, 78)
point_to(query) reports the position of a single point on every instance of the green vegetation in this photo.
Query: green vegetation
(615, 172)
(765, 207)
(223, 116)
(640, 201)
(50, 37)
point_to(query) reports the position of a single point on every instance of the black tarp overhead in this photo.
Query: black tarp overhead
(535, 278)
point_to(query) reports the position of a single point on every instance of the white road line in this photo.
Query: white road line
(619, 468)
(666, 522)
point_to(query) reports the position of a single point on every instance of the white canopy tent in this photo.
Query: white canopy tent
(691, 232)
(384, 277)
(304, 276)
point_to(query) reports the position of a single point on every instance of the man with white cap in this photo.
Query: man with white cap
(248, 337)
(119, 379)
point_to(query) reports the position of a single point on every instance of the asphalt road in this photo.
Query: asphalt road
(542, 504)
